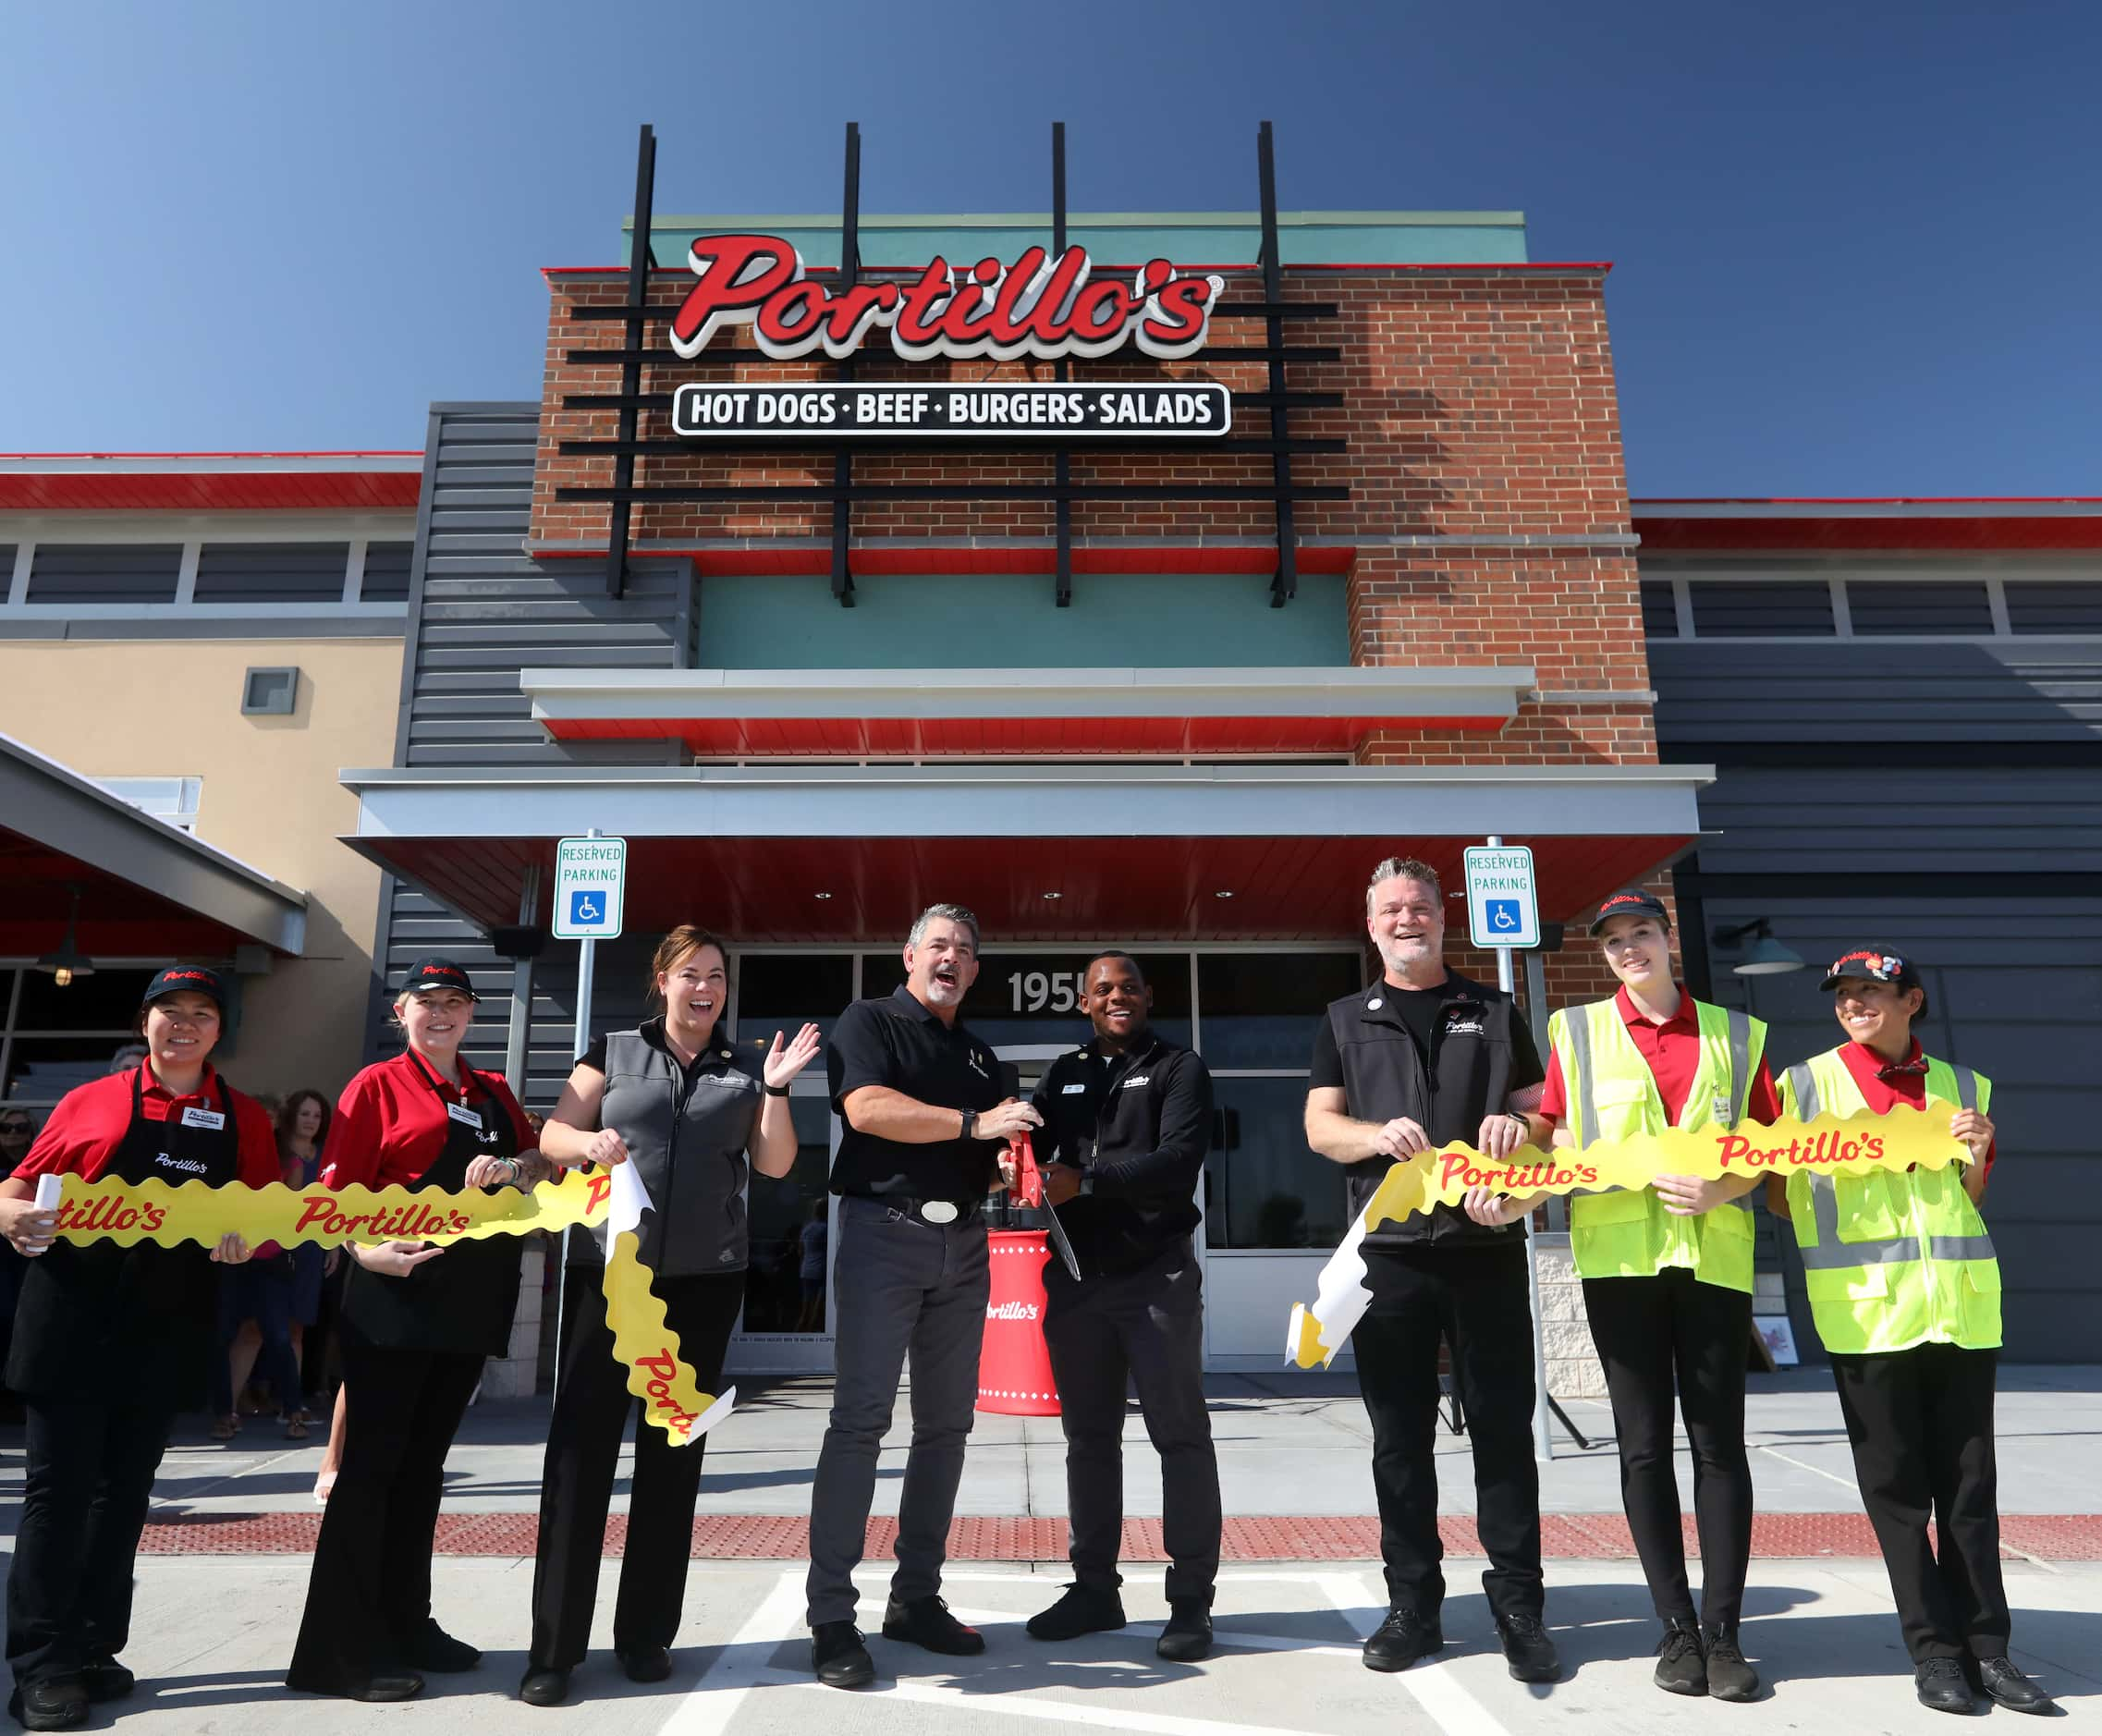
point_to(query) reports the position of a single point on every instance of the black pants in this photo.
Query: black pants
(592, 1406)
(370, 1592)
(1146, 1325)
(1659, 1336)
(89, 1466)
(1920, 1422)
(1476, 1297)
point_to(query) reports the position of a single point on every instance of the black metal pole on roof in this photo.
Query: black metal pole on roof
(842, 464)
(1061, 373)
(640, 260)
(1285, 584)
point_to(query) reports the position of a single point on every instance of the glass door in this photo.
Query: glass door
(787, 1324)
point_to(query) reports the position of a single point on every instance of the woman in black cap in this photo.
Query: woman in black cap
(417, 1324)
(669, 1097)
(107, 1340)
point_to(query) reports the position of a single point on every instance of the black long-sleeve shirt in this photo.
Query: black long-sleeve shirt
(1138, 1126)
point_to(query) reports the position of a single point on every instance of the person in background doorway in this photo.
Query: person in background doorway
(811, 1243)
(302, 1133)
(1127, 1122)
(418, 1322)
(670, 1098)
(108, 1339)
(1427, 1057)
(922, 1121)
(1904, 1287)
(18, 1130)
(1667, 1273)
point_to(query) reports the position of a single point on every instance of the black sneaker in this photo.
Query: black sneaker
(1083, 1609)
(925, 1622)
(2007, 1686)
(837, 1658)
(1529, 1654)
(58, 1703)
(105, 1679)
(435, 1650)
(1940, 1686)
(1187, 1639)
(1729, 1677)
(1400, 1640)
(1680, 1669)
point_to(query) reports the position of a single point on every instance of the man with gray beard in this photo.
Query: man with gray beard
(922, 1123)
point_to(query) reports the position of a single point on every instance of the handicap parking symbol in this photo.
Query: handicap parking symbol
(1504, 918)
(587, 909)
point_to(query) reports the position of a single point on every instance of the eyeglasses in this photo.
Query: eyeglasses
(15, 1130)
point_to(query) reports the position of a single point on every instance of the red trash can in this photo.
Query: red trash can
(1014, 1366)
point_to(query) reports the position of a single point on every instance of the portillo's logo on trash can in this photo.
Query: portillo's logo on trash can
(1036, 307)
(1012, 1310)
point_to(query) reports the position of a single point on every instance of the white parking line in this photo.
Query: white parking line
(712, 1702)
(1029, 1705)
(1432, 1684)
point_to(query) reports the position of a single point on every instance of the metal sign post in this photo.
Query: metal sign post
(590, 877)
(1502, 912)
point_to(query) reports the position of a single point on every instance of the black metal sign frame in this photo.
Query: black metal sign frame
(1284, 492)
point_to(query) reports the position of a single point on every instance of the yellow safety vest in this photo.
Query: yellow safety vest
(1612, 1096)
(1893, 1258)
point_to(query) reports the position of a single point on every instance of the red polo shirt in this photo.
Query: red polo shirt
(1673, 1052)
(90, 1121)
(1882, 1094)
(390, 1126)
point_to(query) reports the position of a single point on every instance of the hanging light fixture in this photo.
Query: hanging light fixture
(69, 961)
(1764, 956)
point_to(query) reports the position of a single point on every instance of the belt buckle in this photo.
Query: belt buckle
(939, 1211)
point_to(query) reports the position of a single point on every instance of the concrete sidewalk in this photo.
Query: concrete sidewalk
(1288, 1445)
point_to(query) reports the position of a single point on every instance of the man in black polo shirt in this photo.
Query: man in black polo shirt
(1128, 1120)
(922, 1121)
(1427, 1057)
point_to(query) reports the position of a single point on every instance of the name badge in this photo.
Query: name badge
(1073, 1091)
(460, 1112)
(212, 1119)
(1718, 1110)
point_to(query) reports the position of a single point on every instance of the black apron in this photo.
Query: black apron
(462, 1301)
(93, 1315)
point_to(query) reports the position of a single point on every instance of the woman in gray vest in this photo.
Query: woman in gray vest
(670, 1098)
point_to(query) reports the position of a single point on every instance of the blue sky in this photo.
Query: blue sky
(1855, 247)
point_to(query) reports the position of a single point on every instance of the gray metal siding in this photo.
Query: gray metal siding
(386, 572)
(1880, 606)
(2034, 607)
(2014, 989)
(111, 572)
(272, 572)
(1713, 693)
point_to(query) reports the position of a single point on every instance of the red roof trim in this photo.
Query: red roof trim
(1587, 266)
(127, 457)
(210, 491)
(1866, 500)
(1671, 535)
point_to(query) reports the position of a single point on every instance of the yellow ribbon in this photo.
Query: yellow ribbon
(128, 1212)
(1829, 1145)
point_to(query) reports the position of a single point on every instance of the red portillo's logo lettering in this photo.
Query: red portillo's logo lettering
(1828, 1147)
(1459, 1166)
(404, 1223)
(662, 1369)
(110, 1214)
(1038, 307)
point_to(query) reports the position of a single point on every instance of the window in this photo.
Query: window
(272, 572)
(1660, 610)
(173, 799)
(386, 572)
(1953, 610)
(52, 1039)
(1791, 609)
(2045, 606)
(96, 572)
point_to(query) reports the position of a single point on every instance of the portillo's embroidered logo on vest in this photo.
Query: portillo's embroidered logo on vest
(1036, 307)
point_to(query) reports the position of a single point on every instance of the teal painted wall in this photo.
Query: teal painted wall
(1147, 620)
(1196, 237)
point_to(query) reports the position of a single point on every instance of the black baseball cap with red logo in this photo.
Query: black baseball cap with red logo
(192, 979)
(428, 974)
(1875, 965)
(1630, 901)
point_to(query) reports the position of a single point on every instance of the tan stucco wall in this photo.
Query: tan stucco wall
(172, 709)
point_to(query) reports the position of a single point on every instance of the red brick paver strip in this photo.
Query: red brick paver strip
(783, 1537)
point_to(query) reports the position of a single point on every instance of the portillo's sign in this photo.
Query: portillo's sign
(1036, 307)
(977, 411)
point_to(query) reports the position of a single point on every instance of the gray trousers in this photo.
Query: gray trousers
(902, 1287)
(1148, 1326)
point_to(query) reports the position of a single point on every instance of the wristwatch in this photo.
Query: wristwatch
(774, 1091)
(970, 1124)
